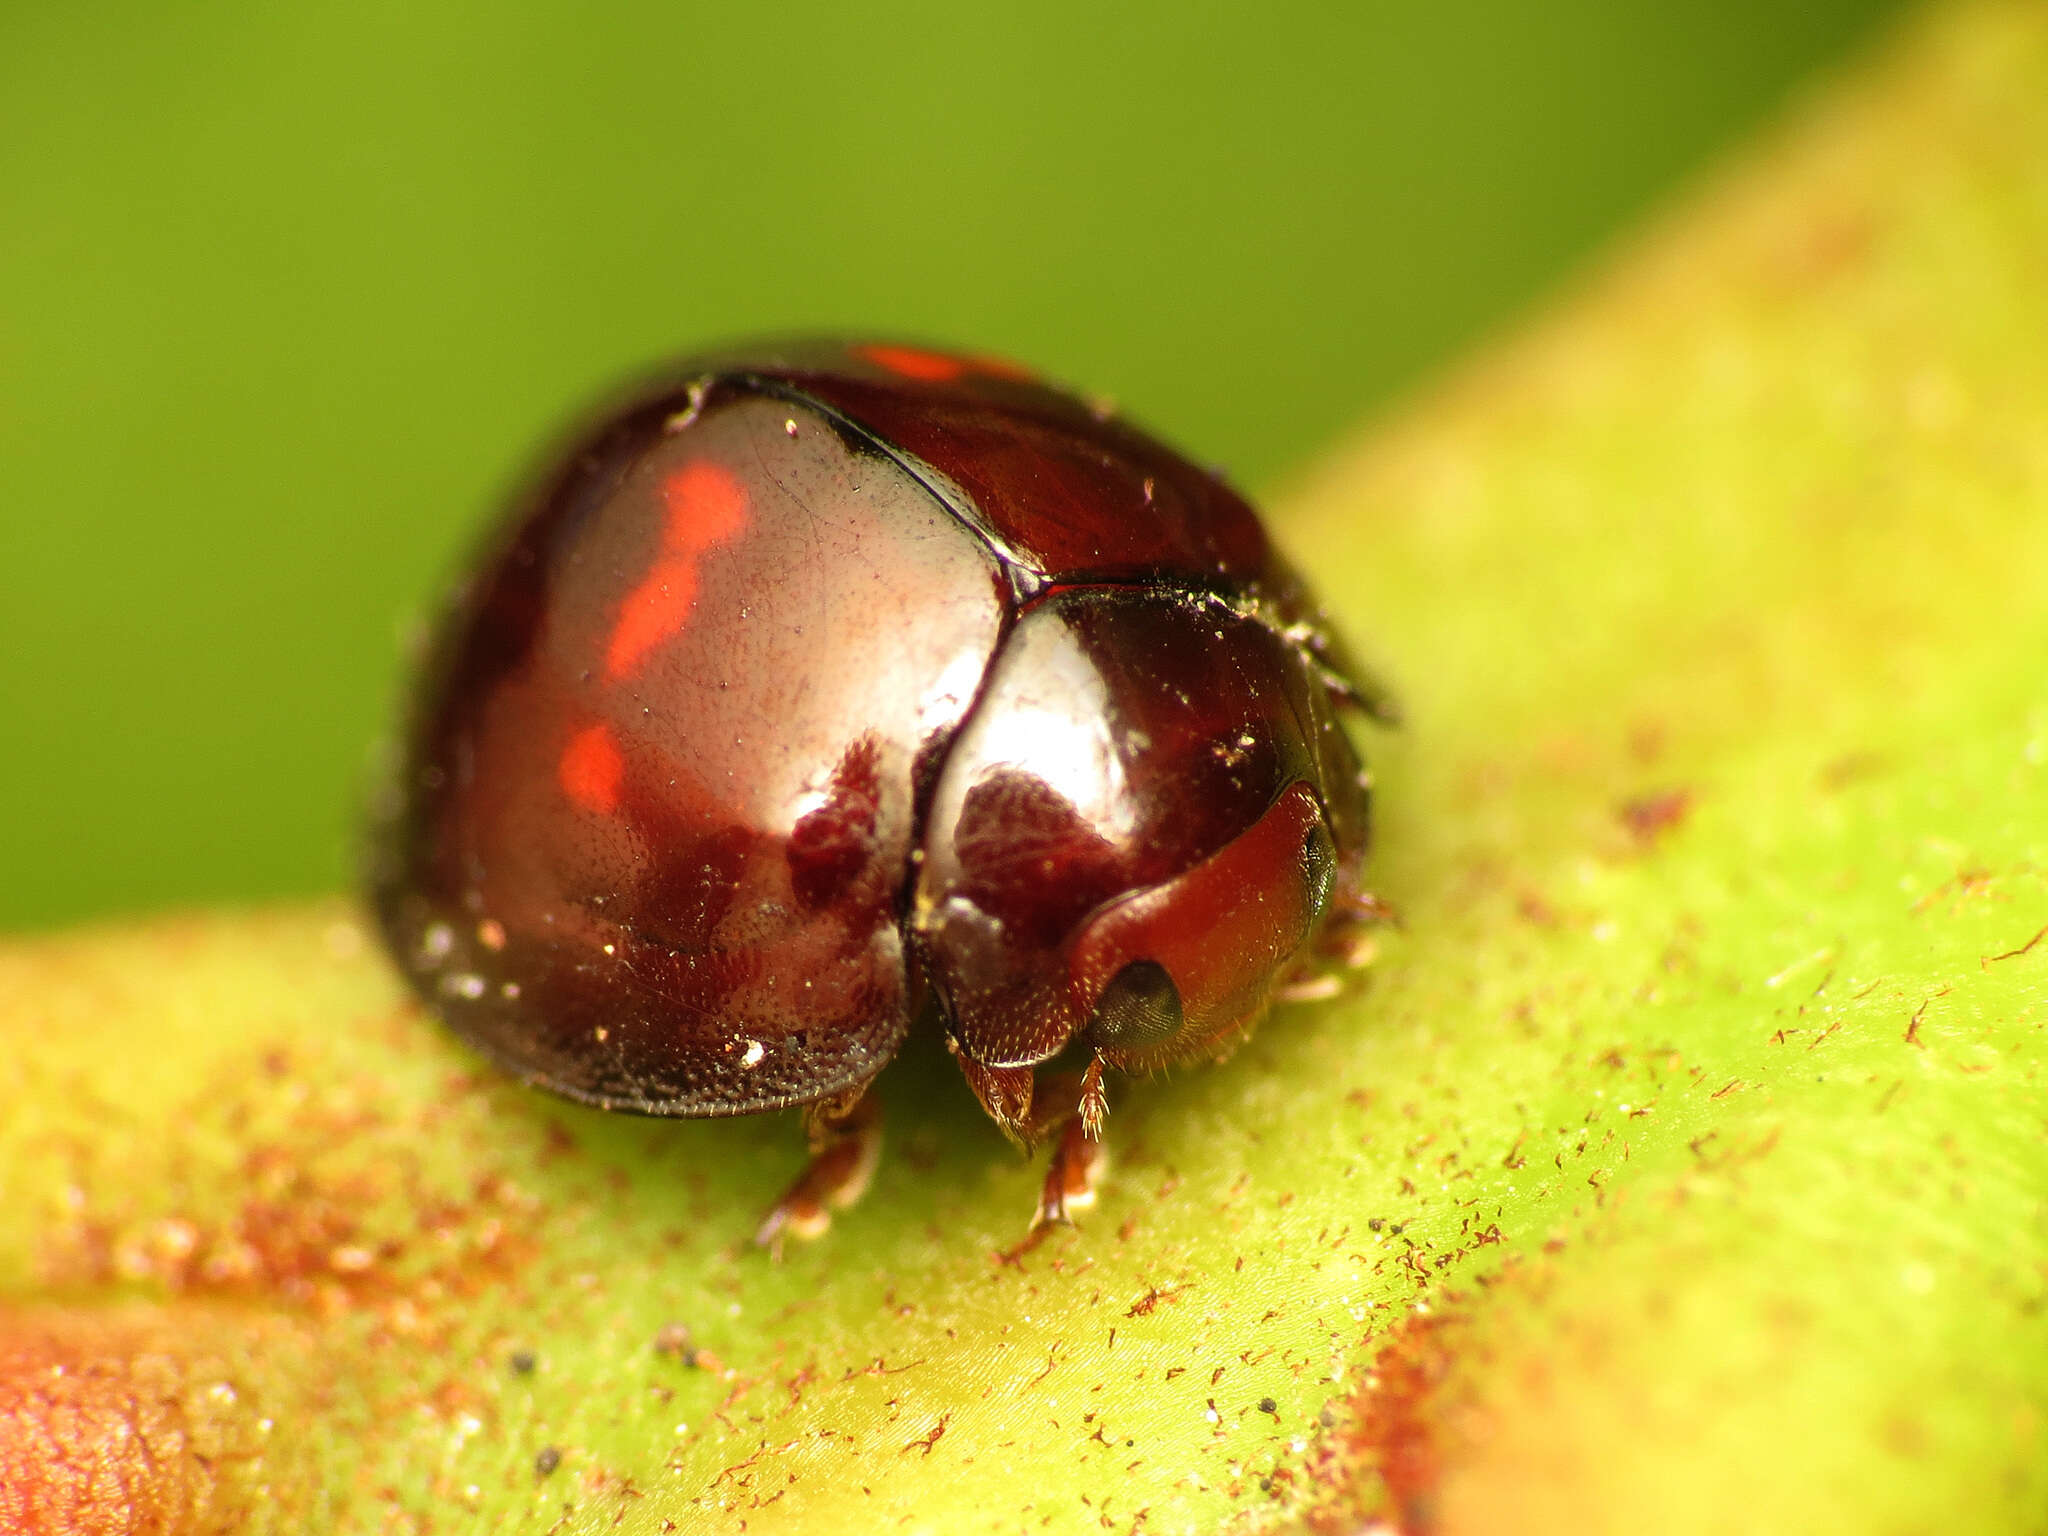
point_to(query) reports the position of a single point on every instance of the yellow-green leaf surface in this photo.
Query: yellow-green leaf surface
(1682, 1166)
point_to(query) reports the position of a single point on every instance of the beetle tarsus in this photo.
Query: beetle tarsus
(1348, 936)
(846, 1143)
(1079, 1162)
(1079, 1159)
(1309, 984)
(1346, 943)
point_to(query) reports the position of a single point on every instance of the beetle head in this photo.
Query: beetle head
(1138, 829)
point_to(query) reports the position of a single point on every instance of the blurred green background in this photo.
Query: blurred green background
(286, 292)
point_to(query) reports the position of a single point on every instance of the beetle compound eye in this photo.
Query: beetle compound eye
(1139, 1009)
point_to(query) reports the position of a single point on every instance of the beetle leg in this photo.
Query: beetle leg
(1308, 983)
(1362, 693)
(1077, 1168)
(1362, 909)
(1347, 933)
(846, 1143)
(1345, 942)
(1079, 1160)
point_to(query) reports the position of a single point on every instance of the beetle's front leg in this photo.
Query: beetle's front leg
(846, 1143)
(1069, 1109)
(1345, 944)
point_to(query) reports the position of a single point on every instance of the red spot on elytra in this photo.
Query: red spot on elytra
(591, 770)
(941, 367)
(706, 506)
(915, 363)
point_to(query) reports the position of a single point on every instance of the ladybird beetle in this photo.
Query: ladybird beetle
(827, 688)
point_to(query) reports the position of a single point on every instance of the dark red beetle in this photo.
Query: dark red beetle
(829, 686)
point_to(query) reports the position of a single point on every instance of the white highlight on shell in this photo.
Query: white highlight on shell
(755, 1051)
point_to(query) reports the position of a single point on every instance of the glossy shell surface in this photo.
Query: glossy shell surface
(819, 689)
